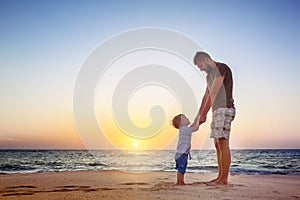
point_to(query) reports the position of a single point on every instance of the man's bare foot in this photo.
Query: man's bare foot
(216, 183)
(211, 181)
(197, 183)
(180, 184)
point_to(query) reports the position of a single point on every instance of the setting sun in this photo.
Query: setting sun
(136, 144)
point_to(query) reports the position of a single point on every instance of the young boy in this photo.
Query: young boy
(181, 122)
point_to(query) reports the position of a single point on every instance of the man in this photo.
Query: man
(218, 95)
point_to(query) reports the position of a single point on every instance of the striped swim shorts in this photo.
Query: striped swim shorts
(221, 122)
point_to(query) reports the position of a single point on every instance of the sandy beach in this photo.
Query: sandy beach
(144, 185)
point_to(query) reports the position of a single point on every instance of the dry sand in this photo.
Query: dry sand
(144, 186)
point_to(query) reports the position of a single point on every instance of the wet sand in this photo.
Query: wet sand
(145, 185)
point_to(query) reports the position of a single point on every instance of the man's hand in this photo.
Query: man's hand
(202, 119)
(197, 118)
(205, 106)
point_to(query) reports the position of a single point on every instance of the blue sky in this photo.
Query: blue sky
(44, 43)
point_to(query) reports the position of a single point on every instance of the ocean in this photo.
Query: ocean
(255, 162)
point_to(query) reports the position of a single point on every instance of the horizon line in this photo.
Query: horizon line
(70, 149)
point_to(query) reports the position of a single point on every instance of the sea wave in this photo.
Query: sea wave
(243, 161)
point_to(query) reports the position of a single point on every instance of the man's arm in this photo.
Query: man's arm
(195, 125)
(205, 106)
(217, 84)
(209, 98)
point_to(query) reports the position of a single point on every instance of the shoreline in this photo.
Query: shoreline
(204, 162)
(120, 184)
(148, 171)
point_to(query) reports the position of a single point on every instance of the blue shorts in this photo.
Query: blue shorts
(181, 163)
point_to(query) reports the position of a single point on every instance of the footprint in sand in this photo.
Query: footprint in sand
(21, 186)
(73, 186)
(18, 190)
(18, 193)
(135, 183)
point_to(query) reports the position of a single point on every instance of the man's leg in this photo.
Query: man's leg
(219, 158)
(218, 152)
(224, 156)
(225, 161)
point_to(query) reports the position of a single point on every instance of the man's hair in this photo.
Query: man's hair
(200, 56)
(177, 120)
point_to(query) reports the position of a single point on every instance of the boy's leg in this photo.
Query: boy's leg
(181, 164)
(180, 178)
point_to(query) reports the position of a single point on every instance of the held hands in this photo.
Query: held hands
(196, 124)
(198, 121)
(202, 119)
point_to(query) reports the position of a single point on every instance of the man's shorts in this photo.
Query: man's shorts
(221, 122)
(181, 163)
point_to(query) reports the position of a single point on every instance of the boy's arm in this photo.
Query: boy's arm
(195, 125)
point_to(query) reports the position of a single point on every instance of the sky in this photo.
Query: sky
(43, 45)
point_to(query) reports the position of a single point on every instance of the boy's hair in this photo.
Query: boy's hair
(200, 56)
(177, 120)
